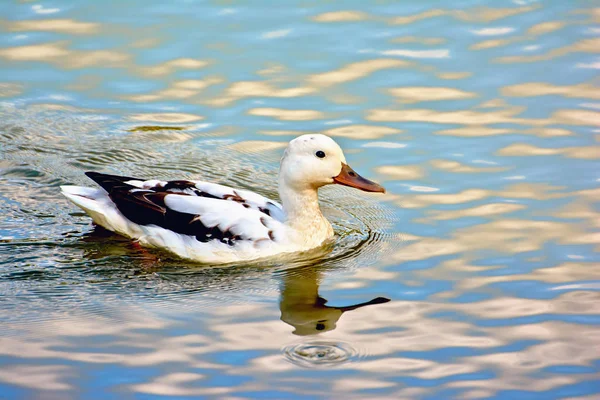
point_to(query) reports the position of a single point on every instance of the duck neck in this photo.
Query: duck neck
(301, 206)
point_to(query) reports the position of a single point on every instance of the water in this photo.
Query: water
(480, 118)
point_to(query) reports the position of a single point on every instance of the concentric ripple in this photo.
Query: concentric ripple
(320, 353)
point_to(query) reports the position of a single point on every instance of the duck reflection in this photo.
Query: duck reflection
(300, 304)
(303, 308)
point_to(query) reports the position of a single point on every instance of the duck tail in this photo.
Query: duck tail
(92, 201)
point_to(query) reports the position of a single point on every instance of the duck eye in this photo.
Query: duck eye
(320, 154)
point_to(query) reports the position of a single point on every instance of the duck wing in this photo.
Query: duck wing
(187, 210)
(208, 190)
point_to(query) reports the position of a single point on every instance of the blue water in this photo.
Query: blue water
(479, 117)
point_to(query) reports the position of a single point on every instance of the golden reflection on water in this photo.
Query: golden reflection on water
(517, 191)
(485, 210)
(418, 94)
(401, 172)
(355, 71)
(469, 117)
(532, 89)
(523, 149)
(173, 384)
(244, 89)
(40, 377)
(455, 166)
(51, 25)
(174, 118)
(531, 34)
(453, 75)
(421, 40)
(488, 14)
(10, 89)
(386, 332)
(492, 43)
(417, 330)
(286, 114)
(257, 146)
(362, 131)
(583, 46)
(563, 273)
(177, 90)
(545, 27)
(508, 236)
(416, 17)
(341, 16)
(58, 53)
(476, 131)
(171, 66)
(577, 117)
(475, 14)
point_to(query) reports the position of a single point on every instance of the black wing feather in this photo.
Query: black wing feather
(108, 182)
(147, 207)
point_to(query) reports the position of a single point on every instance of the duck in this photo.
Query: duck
(213, 223)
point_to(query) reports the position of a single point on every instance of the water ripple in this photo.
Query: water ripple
(480, 119)
(320, 353)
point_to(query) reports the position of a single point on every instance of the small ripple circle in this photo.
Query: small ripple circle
(319, 353)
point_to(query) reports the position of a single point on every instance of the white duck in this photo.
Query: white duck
(213, 223)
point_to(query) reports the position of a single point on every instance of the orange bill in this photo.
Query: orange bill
(350, 178)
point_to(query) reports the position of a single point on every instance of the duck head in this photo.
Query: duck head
(315, 160)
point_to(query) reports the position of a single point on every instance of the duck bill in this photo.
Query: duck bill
(348, 177)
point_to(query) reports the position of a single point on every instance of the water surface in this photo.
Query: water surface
(479, 117)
